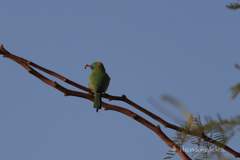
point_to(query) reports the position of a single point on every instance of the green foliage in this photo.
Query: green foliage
(224, 129)
(233, 6)
(221, 130)
(176, 103)
(235, 90)
(171, 153)
(180, 138)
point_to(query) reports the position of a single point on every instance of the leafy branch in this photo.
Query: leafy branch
(233, 6)
(221, 130)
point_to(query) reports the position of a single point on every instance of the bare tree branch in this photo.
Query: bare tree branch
(90, 97)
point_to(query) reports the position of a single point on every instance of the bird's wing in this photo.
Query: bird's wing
(99, 82)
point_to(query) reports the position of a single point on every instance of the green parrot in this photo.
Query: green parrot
(98, 82)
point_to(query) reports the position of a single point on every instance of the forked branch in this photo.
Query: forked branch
(26, 64)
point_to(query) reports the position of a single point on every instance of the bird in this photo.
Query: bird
(98, 82)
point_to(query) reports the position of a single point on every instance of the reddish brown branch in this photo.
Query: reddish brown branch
(19, 60)
(168, 125)
(106, 106)
(146, 123)
(26, 63)
(59, 77)
(150, 114)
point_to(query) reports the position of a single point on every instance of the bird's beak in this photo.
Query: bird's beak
(88, 65)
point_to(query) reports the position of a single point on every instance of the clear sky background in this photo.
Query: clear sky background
(187, 49)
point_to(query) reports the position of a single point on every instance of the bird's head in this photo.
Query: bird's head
(98, 65)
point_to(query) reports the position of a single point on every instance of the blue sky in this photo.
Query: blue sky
(183, 48)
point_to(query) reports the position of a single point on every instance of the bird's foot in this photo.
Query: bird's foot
(91, 93)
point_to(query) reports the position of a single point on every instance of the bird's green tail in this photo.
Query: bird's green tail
(97, 101)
